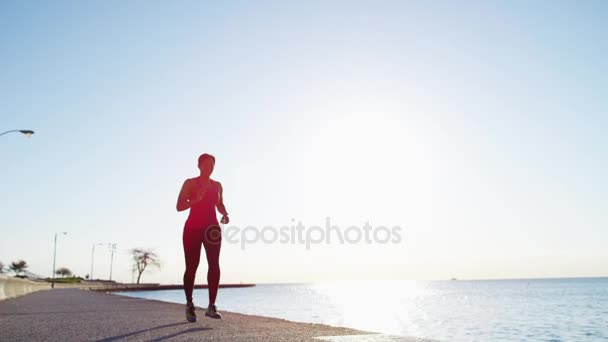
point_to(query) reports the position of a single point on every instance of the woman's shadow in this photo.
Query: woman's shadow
(162, 338)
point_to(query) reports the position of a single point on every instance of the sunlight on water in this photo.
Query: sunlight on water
(375, 303)
(498, 310)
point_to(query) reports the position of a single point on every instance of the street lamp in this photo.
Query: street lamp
(112, 247)
(54, 257)
(93, 257)
(27, 132)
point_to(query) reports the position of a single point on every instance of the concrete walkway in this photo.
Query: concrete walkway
(80, 315)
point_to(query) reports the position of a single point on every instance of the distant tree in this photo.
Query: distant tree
(18, 267)
(143, 258)
(86, 276)
(1, 267)
(63, 271)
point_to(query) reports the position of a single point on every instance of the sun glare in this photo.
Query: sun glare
(356, 300)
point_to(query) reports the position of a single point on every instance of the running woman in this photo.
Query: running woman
(202, 195)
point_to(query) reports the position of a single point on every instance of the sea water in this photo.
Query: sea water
(482, 310)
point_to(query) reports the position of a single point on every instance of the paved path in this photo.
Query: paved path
(80, 315)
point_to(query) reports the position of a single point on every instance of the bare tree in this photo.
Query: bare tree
(18, 266)
(63, 272)
(142, 258)
(1, 267)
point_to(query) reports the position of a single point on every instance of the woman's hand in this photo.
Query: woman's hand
(225, 219)
(188, 196)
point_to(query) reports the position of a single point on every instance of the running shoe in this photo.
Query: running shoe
(190, 314)
(212, 312)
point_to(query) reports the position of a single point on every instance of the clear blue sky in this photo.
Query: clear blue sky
(477, 126)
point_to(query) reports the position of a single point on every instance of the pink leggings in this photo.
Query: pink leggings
(211, 238)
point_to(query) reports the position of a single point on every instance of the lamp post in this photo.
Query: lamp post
(27, 132)
(112, 247)
(54, 257)
(93, 258)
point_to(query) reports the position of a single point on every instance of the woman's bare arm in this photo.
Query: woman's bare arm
(183, 200)
(220, 205)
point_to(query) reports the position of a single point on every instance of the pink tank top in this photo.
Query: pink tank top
(202, 214)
